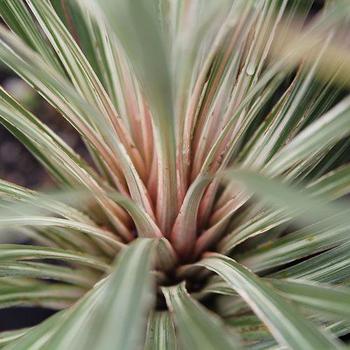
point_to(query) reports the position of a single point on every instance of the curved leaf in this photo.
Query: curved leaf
(331, 186)
(54, 296)
(288, 327)
(326, 298)
(331, 266)
(326, 131)
(160, 332)
(198, 328)
(13, 252)
(47, 271)
(113, 314)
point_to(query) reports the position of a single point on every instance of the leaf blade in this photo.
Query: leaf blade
(160, 332)
(116, 307)
(287, 326)
(198, 328)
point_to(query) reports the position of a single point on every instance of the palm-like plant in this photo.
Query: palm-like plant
(182, 235)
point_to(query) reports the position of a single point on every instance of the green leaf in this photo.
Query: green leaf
(98, 46)
(19, 19)
(316, 138)
(53, 153)
(47, 271)
(36, 337)
(259, 224)
(77, 66)
(237, 314)
(297, 108)
(88, 85)
(322, 297)
(14, 252)
(198, 328)
(332, 266)
(252, 331)
(325, 298)
(7, 220)
(113, 314)
(138, 29)
(160, 332)
(290, 199)
(331, 186)
(10, 336)
(288, 327)
(56, 296)
(329, 221)
(57, 92)
(53, 203)
(302, 243)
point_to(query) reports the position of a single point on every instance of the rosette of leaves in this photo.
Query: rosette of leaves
(212, 216)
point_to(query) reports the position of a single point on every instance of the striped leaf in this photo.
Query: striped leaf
(198, 328)
(285, 323)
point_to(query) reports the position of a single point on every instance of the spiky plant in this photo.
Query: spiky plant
(199, 116)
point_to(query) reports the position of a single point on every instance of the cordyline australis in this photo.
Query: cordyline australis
(184, 234)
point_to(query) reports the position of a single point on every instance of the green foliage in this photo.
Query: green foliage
(214, 215)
